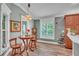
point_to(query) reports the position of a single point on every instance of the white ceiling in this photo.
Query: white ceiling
(46, 9)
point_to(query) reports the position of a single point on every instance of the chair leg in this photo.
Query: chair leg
(35, 44)
(12, 52)
(20, 51)
(30, 44)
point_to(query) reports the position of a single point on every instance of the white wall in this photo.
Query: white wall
(0, 21)
(72, 11)
(15, 15)
(46, 20)
(0, 28)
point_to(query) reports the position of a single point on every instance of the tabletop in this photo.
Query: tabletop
(26, 37)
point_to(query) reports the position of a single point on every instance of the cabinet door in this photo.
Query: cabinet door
(68, 42)
(70, 26)
(69, 23)
(77, 19)
(77, 29)
(72, 22)
(69, 20)
(77, 24)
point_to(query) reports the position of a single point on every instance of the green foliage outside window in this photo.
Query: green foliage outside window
(47, 29)
(3, 22)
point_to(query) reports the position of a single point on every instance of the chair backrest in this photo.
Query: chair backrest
(12, 41)
(34, 37)
(34, 31)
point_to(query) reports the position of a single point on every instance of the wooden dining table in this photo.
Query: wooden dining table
(26, 41)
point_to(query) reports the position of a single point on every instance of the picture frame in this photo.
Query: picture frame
(15, 26)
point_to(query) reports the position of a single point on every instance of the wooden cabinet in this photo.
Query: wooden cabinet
(69, 20)
(68, 42)
(77, 24)
(72, 22)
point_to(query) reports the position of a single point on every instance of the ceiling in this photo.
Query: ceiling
(46, 9)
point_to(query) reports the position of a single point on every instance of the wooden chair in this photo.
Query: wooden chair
(33, 41)
(15, 47)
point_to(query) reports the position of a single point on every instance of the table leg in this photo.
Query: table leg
(27, 50)
(24, 47)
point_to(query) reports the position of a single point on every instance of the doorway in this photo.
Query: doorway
(59, 28)
(37, 24)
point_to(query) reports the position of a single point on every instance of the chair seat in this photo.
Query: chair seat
(16, 46)
(28, 45)
(33, 40)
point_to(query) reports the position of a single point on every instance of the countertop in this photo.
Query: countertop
(74, 38)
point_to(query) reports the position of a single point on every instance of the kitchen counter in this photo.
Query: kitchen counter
(74, 38)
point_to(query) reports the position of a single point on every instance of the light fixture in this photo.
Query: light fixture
(28, 17)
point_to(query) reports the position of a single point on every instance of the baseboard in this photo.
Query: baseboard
(43, 41)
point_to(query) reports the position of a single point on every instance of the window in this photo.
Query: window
(47, 29)
(4, 32)
(24, 26)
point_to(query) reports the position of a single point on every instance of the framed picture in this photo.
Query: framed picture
(15, 26)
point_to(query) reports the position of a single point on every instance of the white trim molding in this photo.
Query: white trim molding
(5, 11)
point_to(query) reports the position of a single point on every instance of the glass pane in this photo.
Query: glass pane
(47, 29)
(3, 22)
(4, 40)
(24, 25)
(44, 29)
(50, 29)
